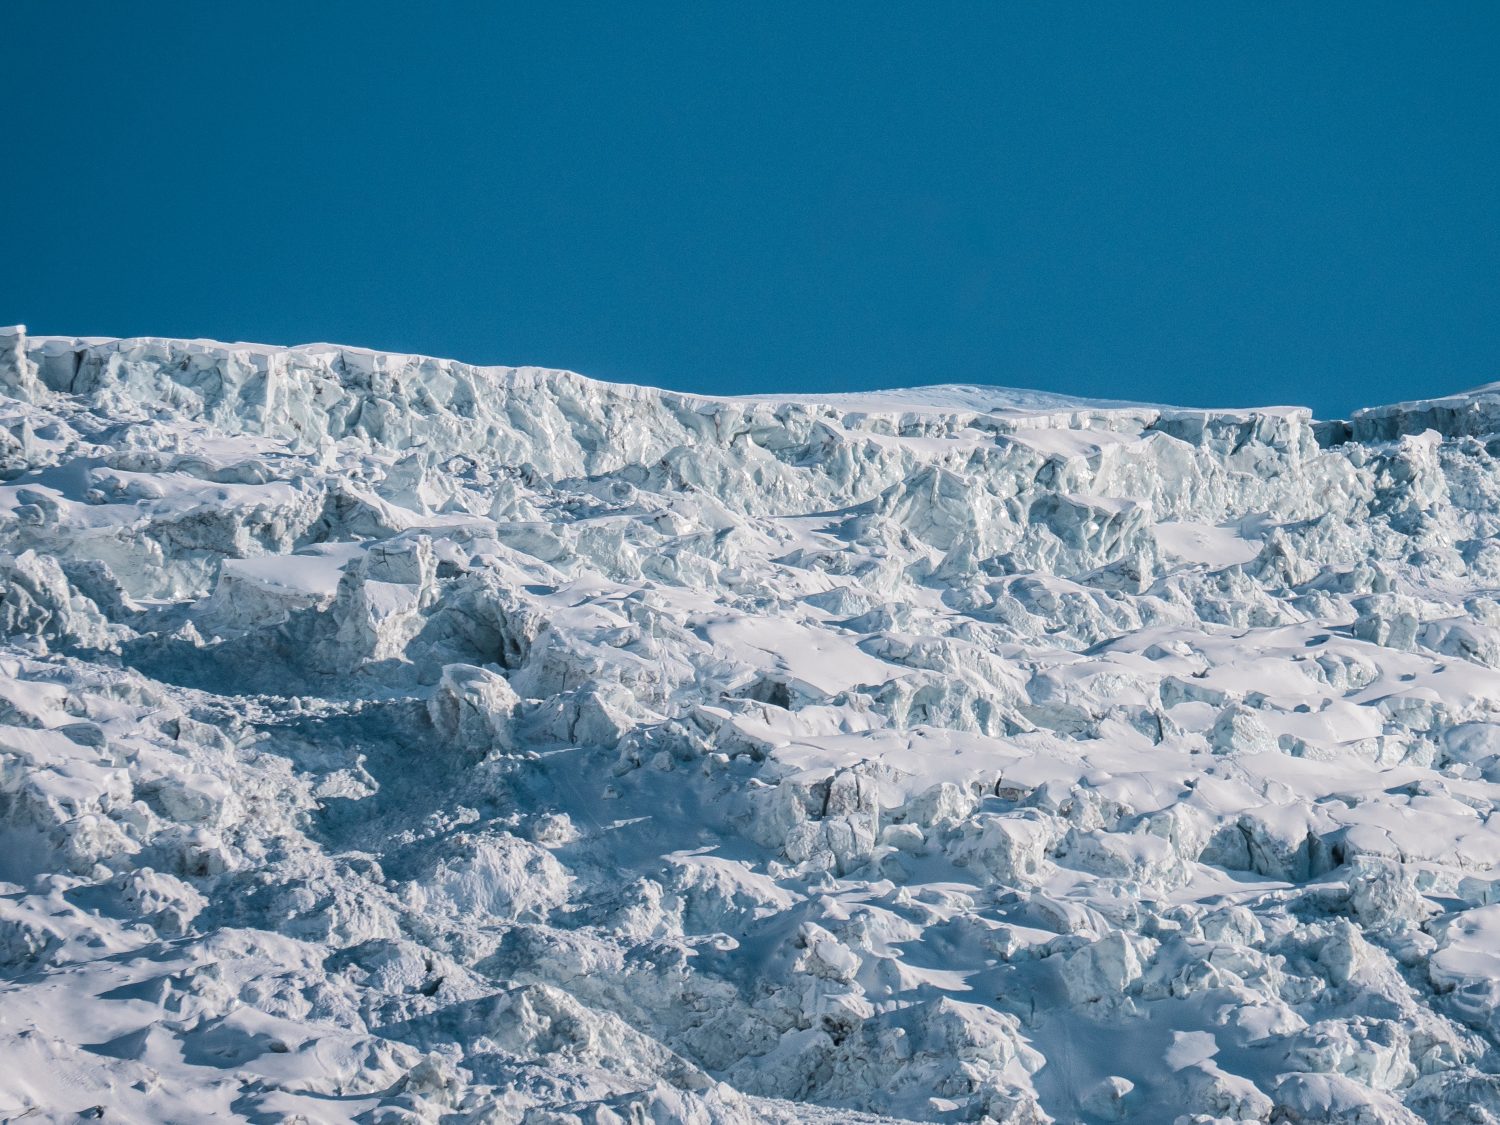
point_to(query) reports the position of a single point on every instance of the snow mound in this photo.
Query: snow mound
(388, 739)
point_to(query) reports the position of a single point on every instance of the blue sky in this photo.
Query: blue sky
(1203, 203)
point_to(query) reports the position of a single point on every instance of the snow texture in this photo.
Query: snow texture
(394, 740)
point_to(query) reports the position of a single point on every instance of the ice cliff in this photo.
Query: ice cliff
(394, 740)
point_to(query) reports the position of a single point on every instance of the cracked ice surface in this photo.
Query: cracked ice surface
(395, 740)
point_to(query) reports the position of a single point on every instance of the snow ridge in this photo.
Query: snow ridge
(384, 738)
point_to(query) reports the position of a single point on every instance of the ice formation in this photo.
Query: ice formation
(394, 740)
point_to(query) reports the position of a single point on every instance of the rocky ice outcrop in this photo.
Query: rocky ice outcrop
(388, 739)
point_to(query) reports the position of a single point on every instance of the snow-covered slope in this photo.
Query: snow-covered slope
(390, 739)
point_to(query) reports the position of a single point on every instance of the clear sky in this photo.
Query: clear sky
(1206, 203)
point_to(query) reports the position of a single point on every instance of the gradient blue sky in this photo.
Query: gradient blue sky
(1203, 203)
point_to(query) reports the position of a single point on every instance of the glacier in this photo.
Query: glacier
(388, 739)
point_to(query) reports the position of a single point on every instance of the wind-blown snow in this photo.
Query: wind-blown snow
(390, 739)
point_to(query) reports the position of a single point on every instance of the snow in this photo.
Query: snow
(388, 739)
(948, 398)
(1214, 547)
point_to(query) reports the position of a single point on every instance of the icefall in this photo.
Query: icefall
(388, 739)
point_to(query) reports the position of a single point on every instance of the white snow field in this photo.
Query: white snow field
(387, 739)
